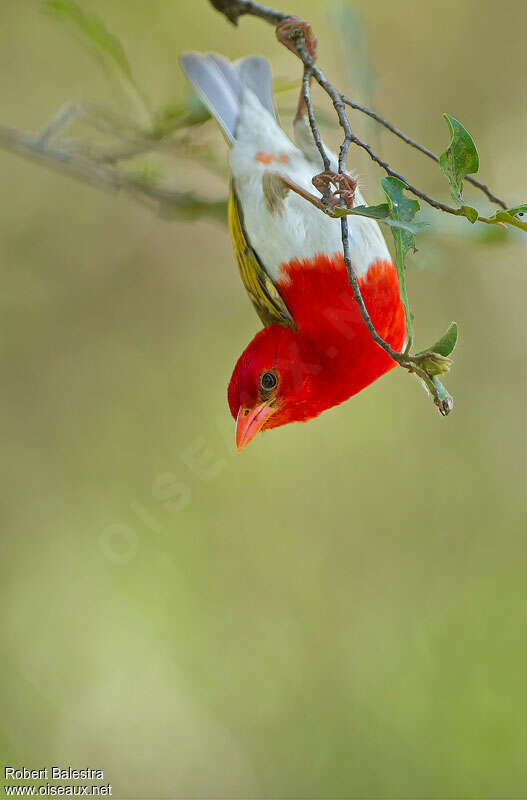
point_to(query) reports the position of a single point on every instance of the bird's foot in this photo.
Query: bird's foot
(291, 30)
(344, 191)
(276, 187)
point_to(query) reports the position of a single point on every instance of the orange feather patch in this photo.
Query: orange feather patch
(268, 158)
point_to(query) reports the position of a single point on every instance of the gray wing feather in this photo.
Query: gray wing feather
(219, 83)
(255, 74)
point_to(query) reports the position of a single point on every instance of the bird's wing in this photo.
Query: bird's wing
(265, 297)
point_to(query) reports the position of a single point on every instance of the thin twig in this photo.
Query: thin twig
(64, 117)
(311, 115)
(165, 202)
(377, 117)
(309, 70)
(236, 8)
(349, 136)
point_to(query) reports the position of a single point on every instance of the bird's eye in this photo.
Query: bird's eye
(268, 381)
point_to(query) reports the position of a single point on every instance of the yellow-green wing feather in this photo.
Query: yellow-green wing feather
(265, 296)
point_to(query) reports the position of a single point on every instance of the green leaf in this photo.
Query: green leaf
(518, 210)
(382, 214)
(447, 342)
(470, 213)
(402, 210)
(459, 159)
(435, 360)
(508, 217)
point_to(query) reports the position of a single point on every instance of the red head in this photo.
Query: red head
(287, 375)
(273, 382)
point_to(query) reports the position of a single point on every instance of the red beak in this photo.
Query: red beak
(249, 421)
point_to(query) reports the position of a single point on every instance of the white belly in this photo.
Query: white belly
(301, 230)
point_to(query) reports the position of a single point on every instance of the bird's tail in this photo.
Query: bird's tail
(220, 84)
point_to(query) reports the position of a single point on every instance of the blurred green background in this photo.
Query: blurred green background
(340, 610)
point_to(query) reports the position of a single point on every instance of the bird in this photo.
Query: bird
(314, 351)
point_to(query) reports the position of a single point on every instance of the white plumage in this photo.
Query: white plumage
(300, 230)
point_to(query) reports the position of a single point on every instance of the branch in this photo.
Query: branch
(237, 8)
(233, 9)
(99, 168)
(485, 189)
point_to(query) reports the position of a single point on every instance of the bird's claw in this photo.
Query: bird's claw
(344, 191)
(288, 31)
